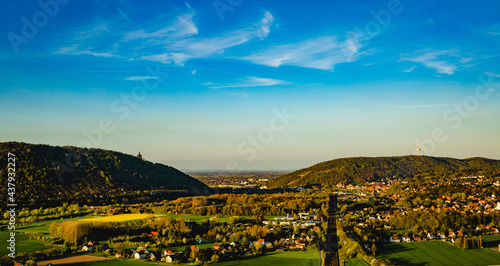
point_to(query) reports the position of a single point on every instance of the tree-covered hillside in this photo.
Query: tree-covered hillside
(364, 169)
(47, 174)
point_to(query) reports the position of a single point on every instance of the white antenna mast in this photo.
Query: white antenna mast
(418, 147)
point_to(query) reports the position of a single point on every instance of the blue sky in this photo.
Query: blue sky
(238, 84)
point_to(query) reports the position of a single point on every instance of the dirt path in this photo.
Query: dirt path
(71, 259)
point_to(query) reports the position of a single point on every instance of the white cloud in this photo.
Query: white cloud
(430, 59)
(182, 27)
(73, 50)
(241, 94)
(185, 49)
(493, 74)
(134, 78)
(320, 53)
(492, 29)
(95, 31)
(409, 69)
(247, 83)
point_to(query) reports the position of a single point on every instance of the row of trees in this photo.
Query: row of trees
(469, 242)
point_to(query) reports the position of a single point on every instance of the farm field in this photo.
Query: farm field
(120, 217)
(299, 258)
(200, 218)
(290, 258)
(491, 241)
(182, 248)
(36, 228)
(71, 260)
(432, 253)
(23, 244)
(79, 260)
(42, 227)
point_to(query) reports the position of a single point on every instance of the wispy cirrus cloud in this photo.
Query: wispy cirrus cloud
(434, 60)
(247, 83)
(408, 70)
(139, 78)
(319, 53)
(175, 43)
(183, 26)
(190, 48)
(492, 29)
(74, 50)
(493, 74)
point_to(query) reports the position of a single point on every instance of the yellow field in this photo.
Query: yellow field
(120, 217)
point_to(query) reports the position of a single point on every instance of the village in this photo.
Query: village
(389, 211)
(297, 232)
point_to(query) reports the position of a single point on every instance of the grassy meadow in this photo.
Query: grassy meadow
(432, 253)
(23, 243)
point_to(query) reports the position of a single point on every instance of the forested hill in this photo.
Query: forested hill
(46, 174)
(364, 169)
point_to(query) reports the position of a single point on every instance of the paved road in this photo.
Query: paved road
(332, 245)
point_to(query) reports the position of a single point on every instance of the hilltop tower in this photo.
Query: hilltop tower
(418, 147)
(139, 156)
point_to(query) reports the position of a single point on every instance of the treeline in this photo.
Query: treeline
(349, 248)
(469, 242)
(48, 175)
(443, 221)
(243, 205)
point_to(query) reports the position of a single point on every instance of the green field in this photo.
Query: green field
(432, 253)
(355, 262)
(120, 217)
(113, 263)
(182, 248)
(23, 244)
(289, 258)
(36, 228)
(42, 227)
(491, 241)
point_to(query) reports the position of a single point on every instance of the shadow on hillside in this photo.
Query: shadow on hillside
(389, 250)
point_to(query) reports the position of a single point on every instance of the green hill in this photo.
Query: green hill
(48, 174)
(365, 169)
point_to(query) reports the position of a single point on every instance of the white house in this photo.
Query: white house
(141, 253)
(394, 239)
(170, 258)
(88, 248)
(406, 239)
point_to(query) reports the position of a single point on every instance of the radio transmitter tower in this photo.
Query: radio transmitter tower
(418, 147)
